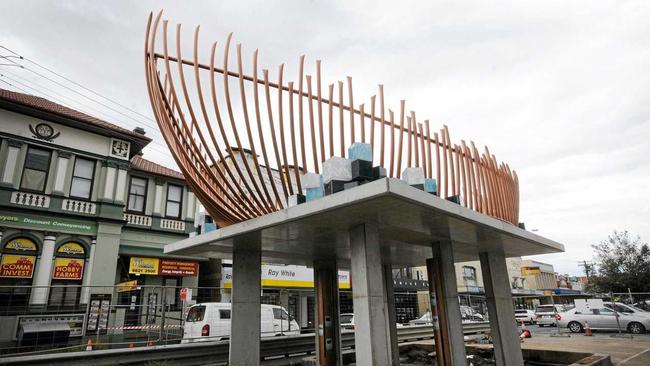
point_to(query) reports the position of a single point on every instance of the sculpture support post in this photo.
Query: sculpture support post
(246, 302)
(507, 347)
(373, 342)
(328, 331)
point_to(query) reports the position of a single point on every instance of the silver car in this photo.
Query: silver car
(602, 319)
(626, 309)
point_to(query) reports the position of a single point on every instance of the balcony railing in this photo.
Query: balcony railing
(30, 199)
(83, 207)
(172, 224)
(139, 220)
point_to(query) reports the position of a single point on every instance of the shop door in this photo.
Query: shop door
(133, 310)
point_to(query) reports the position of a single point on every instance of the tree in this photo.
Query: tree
(622, 262)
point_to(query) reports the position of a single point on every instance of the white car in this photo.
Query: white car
(525, 315)
(211, 322)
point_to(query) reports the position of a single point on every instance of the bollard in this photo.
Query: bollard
(588, 329)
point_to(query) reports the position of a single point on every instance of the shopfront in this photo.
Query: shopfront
(17, 265)
(292, 287)
(67, 274)
(149, 284)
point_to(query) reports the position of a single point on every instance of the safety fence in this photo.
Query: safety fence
(64, 318)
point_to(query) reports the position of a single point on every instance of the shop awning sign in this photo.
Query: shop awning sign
(163, 267)
(127, 286)
(530, 271)
(144, 266)
(17, 266)
(171, 267)
(68, 269)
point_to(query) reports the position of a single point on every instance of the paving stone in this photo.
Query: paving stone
(337, 168)
(361, 151)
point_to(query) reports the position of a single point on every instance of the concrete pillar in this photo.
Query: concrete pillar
(391, 317)
(372, 338)
(445, 307)
(158, 199)
(88, 272)
(328, 327)
(246, 287)
(9, 173)
(63, 160)
(43, 273)
(452, 305)
(507, 347)
(121, 186)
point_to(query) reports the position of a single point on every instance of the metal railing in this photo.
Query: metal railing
(276, 349)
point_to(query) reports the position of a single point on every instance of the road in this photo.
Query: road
(624, 351)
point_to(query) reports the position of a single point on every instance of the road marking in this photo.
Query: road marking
(633, 356)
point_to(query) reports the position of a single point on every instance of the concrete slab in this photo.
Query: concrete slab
(409, 220)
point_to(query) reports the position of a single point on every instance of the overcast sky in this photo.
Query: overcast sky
(559, 90)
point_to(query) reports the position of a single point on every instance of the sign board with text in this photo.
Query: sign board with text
(17, 266)
(163, 267)
(68, 269)
(286, 276)
(47, 223)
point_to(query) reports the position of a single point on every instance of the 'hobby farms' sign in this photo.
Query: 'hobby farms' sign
(47, 223)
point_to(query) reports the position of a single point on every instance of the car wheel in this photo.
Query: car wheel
(575, 327)
(636, 328)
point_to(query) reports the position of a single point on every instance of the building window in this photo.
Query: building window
(174, 201)
(67, 276)
(137, 194)
(37, 164)
(17, 266)
(82, 178)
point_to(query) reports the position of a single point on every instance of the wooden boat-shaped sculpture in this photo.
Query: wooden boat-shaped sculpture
(243, 141)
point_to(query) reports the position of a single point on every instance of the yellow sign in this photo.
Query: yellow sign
(145, 266)
(17, 266)
(68, 269)
(127, 286)
(530, 271)
(22, 244)
(71, 248)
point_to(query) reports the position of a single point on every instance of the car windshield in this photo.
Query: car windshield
(196, 313)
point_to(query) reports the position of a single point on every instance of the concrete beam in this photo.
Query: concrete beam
(372, 337)
(246, 302)
(328, 327)
(507, 346)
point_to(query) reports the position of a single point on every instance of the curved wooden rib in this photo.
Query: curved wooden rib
(226, 174)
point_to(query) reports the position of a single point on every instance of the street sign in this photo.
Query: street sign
(186, 294)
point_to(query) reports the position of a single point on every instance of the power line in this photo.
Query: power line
(57, 100)
(81, 94)
(75, 83)
(24, 81)
(112, 118)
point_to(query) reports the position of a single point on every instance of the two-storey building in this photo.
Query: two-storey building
(81, 212)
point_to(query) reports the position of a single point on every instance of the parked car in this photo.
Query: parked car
(347, 321)
(545, 314)
(211, 322)
(525, 315)
(643, 305)
(603, 319)
(423, 320)
(626, 309)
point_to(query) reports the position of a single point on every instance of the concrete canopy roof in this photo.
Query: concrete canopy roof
(409, 220)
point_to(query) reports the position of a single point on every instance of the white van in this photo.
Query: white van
(210, 321)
